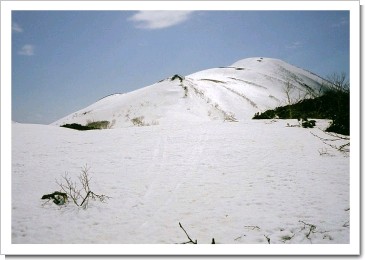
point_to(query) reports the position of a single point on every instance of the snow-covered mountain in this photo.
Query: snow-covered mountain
(232, 93)
(250, 182)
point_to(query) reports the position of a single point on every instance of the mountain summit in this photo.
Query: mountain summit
(232, 93)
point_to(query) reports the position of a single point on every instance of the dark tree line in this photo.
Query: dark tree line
(333, 104)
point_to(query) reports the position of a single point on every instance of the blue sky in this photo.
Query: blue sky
(63, 61)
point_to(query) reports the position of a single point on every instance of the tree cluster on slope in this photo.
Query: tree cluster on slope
(91, 125)
(333, 104)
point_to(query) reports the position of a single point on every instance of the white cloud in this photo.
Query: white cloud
(294, 45)
(159, 19)
(16, 28)
(27, 50)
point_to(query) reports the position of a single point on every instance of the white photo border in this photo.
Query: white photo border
(353, 248)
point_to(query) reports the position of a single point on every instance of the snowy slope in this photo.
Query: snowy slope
(239, 183)
(232, 93)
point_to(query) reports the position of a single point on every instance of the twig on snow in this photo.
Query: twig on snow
(312, 228)
(190, 240)
(344, 148)
(253, 227)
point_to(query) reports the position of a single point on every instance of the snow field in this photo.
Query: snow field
(243, 182)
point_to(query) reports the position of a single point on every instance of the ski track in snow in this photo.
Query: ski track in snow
(236, 182)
